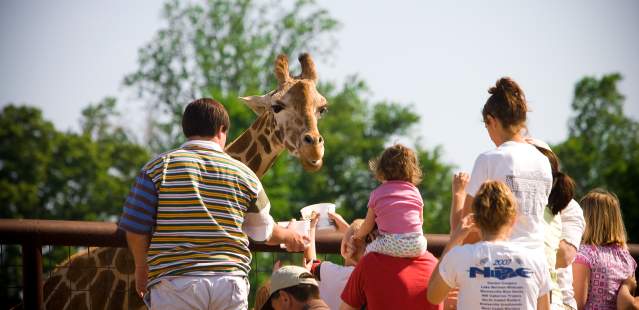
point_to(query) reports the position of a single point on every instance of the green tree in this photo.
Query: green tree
(56, 175)
(221, 49)
(225, 49)
(602, 149)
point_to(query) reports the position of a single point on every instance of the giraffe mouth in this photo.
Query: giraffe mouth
(312, 164)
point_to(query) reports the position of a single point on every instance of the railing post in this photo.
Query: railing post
(32, 275)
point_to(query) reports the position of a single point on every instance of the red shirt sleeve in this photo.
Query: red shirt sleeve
(353, 293)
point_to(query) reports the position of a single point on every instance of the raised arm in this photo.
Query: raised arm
(460, 181)
(309, 252)
(438, 288)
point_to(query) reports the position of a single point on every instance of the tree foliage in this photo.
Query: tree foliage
(45, 173)
(602, 149)
(225, 49)
(221, 49)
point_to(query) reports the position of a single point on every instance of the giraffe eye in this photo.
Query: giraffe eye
(278, 106)
(322, 111)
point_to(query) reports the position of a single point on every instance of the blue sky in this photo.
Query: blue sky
(441, 57)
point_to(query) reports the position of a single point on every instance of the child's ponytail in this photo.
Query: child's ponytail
(563, 191)
(563, 186)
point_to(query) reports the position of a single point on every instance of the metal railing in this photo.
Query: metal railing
(31, 235)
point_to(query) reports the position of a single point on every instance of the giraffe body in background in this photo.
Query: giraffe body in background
(103, 278)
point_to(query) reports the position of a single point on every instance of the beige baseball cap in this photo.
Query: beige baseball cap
(288, 276)
(539, 143)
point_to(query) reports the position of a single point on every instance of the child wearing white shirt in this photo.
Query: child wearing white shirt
(494, 273)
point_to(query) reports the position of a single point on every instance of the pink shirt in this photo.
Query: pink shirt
(609, 266)
(398, 207)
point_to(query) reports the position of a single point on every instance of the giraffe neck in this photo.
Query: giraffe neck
(259, 145)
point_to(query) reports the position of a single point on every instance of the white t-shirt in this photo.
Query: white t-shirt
(496, 275)
(333, 279)
(572, 229)
(527, 172)
(551, 245)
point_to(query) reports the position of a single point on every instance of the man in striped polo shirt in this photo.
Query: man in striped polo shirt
(189, 217)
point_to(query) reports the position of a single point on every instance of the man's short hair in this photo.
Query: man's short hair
(204, 117)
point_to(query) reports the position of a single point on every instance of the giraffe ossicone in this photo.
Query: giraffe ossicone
(287, 118)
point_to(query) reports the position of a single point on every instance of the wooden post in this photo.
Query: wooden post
(32, 276)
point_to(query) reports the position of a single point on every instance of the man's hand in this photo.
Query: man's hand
(141, 278)
(341, 224)
(294, 241)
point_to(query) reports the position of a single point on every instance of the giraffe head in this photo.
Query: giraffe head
(296, 105)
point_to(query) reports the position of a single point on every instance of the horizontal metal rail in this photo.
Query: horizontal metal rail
(33, 234)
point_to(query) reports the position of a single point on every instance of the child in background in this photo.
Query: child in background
(333, 277)
(603, 262)
(494, 273)
(396, 205)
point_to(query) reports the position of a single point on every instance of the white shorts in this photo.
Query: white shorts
(199, 292)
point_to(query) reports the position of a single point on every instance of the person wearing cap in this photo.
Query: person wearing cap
(294, 288)
(573, 225)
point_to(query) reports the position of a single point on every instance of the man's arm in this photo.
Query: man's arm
(260, 226)
(137, 220)
(293, 240)
(138, 245)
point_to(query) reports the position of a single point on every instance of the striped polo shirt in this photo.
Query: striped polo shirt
(200, 206)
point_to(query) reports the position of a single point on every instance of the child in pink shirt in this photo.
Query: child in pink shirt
(396, 206)
(603, 262)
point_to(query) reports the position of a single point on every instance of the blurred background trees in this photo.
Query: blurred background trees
(602, 148)
(225, 49)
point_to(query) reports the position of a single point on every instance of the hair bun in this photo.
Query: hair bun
(506, 86)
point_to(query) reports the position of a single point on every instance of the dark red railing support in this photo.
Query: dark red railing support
(32, 275)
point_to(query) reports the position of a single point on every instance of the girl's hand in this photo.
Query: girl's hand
(277, 266)
(314, 219)
(460, 181)
(466, 227)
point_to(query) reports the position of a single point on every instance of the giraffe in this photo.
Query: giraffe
(103, 278)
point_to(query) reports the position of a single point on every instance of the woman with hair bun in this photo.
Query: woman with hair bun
(518, 164)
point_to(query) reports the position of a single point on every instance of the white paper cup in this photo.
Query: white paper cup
(324, 221)
(303, 227)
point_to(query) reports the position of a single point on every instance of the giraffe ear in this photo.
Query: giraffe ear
(308, 67)
(258, 104)
(281, 69)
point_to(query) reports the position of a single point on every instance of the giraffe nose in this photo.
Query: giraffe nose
(312, 140)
